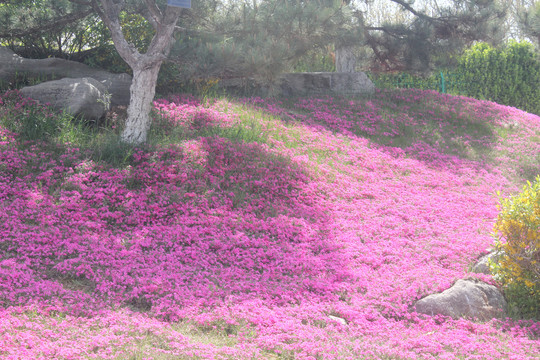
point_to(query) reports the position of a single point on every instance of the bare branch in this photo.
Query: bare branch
(160, 44)
(59, 22)
(110, 13)
(385, 30)
(153, 10)
(410, 9)
(146, 14)
(82, 2)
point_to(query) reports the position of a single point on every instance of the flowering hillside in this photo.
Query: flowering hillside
(302, 229)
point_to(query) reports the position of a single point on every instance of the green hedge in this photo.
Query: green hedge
(509, 75)
(444, 81)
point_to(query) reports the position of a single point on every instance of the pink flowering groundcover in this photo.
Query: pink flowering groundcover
(310, 242)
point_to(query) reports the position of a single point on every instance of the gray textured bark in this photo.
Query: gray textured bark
(145, 66)
(143, 89)
(345, 59)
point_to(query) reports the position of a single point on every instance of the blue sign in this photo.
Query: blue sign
(180, 3)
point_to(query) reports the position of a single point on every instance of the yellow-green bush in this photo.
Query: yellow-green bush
(517, 231)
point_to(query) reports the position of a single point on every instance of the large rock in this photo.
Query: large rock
(466, 299)
(482, 265)
(326, 83)
(12, 64)
(84, 97)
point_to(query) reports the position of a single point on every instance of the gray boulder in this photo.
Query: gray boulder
(326, 83)
(466, 299)
(12, 64)
(482, 265)
(338, 319)
(83, 97)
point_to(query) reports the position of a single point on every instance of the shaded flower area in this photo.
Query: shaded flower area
(353, 208)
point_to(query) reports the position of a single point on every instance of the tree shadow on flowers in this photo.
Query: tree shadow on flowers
(437, 129)
(249, 227)
(210, 221)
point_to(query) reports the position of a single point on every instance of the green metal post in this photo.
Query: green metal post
(443, 87)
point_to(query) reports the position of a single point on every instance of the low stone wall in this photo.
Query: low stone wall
(301, 84)
(326, 83)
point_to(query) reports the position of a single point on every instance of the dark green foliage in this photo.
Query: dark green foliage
(428, 37)
(315, 61)
(43, 28)
(260, 40)
(529, 21)
(29, 120)
(510, 75)
(105, 57)
(522, 302)
(404, 80)
(449, 82)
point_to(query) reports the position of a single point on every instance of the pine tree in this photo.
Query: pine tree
(42, 28)
(261, 39)
(529, 21)
(257, 39)
(428, 36)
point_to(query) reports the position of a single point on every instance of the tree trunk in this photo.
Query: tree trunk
(143, 89)
(345, 59)
(145, 66)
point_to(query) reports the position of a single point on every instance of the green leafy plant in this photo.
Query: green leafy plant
(509, 75)
(517, 231)
(29, 119)
(446, 81)
(315, 61)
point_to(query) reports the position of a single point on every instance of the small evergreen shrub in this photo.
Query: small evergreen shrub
(453, 81)
(404, 80)
(30, 120)
(517, 231)
(315, 61)
(509, 75)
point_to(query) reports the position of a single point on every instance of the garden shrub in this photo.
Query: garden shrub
(453, 81)
(404, 80)
(315, 61)
(518, 245)
(30, 120)
(509, 75)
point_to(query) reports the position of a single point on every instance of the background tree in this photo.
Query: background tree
(258, 39)
(261, 39)
(41, 21)
(419, 37)
(529, 21)
(42, 28)
(247, 39)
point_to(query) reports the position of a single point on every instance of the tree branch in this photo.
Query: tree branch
(410, 9)
(82, 2)
(62, 21)
(153, 10)
(110, 14)
(160, 44)
(383, 29)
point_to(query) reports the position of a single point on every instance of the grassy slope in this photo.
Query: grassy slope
(261, 220)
